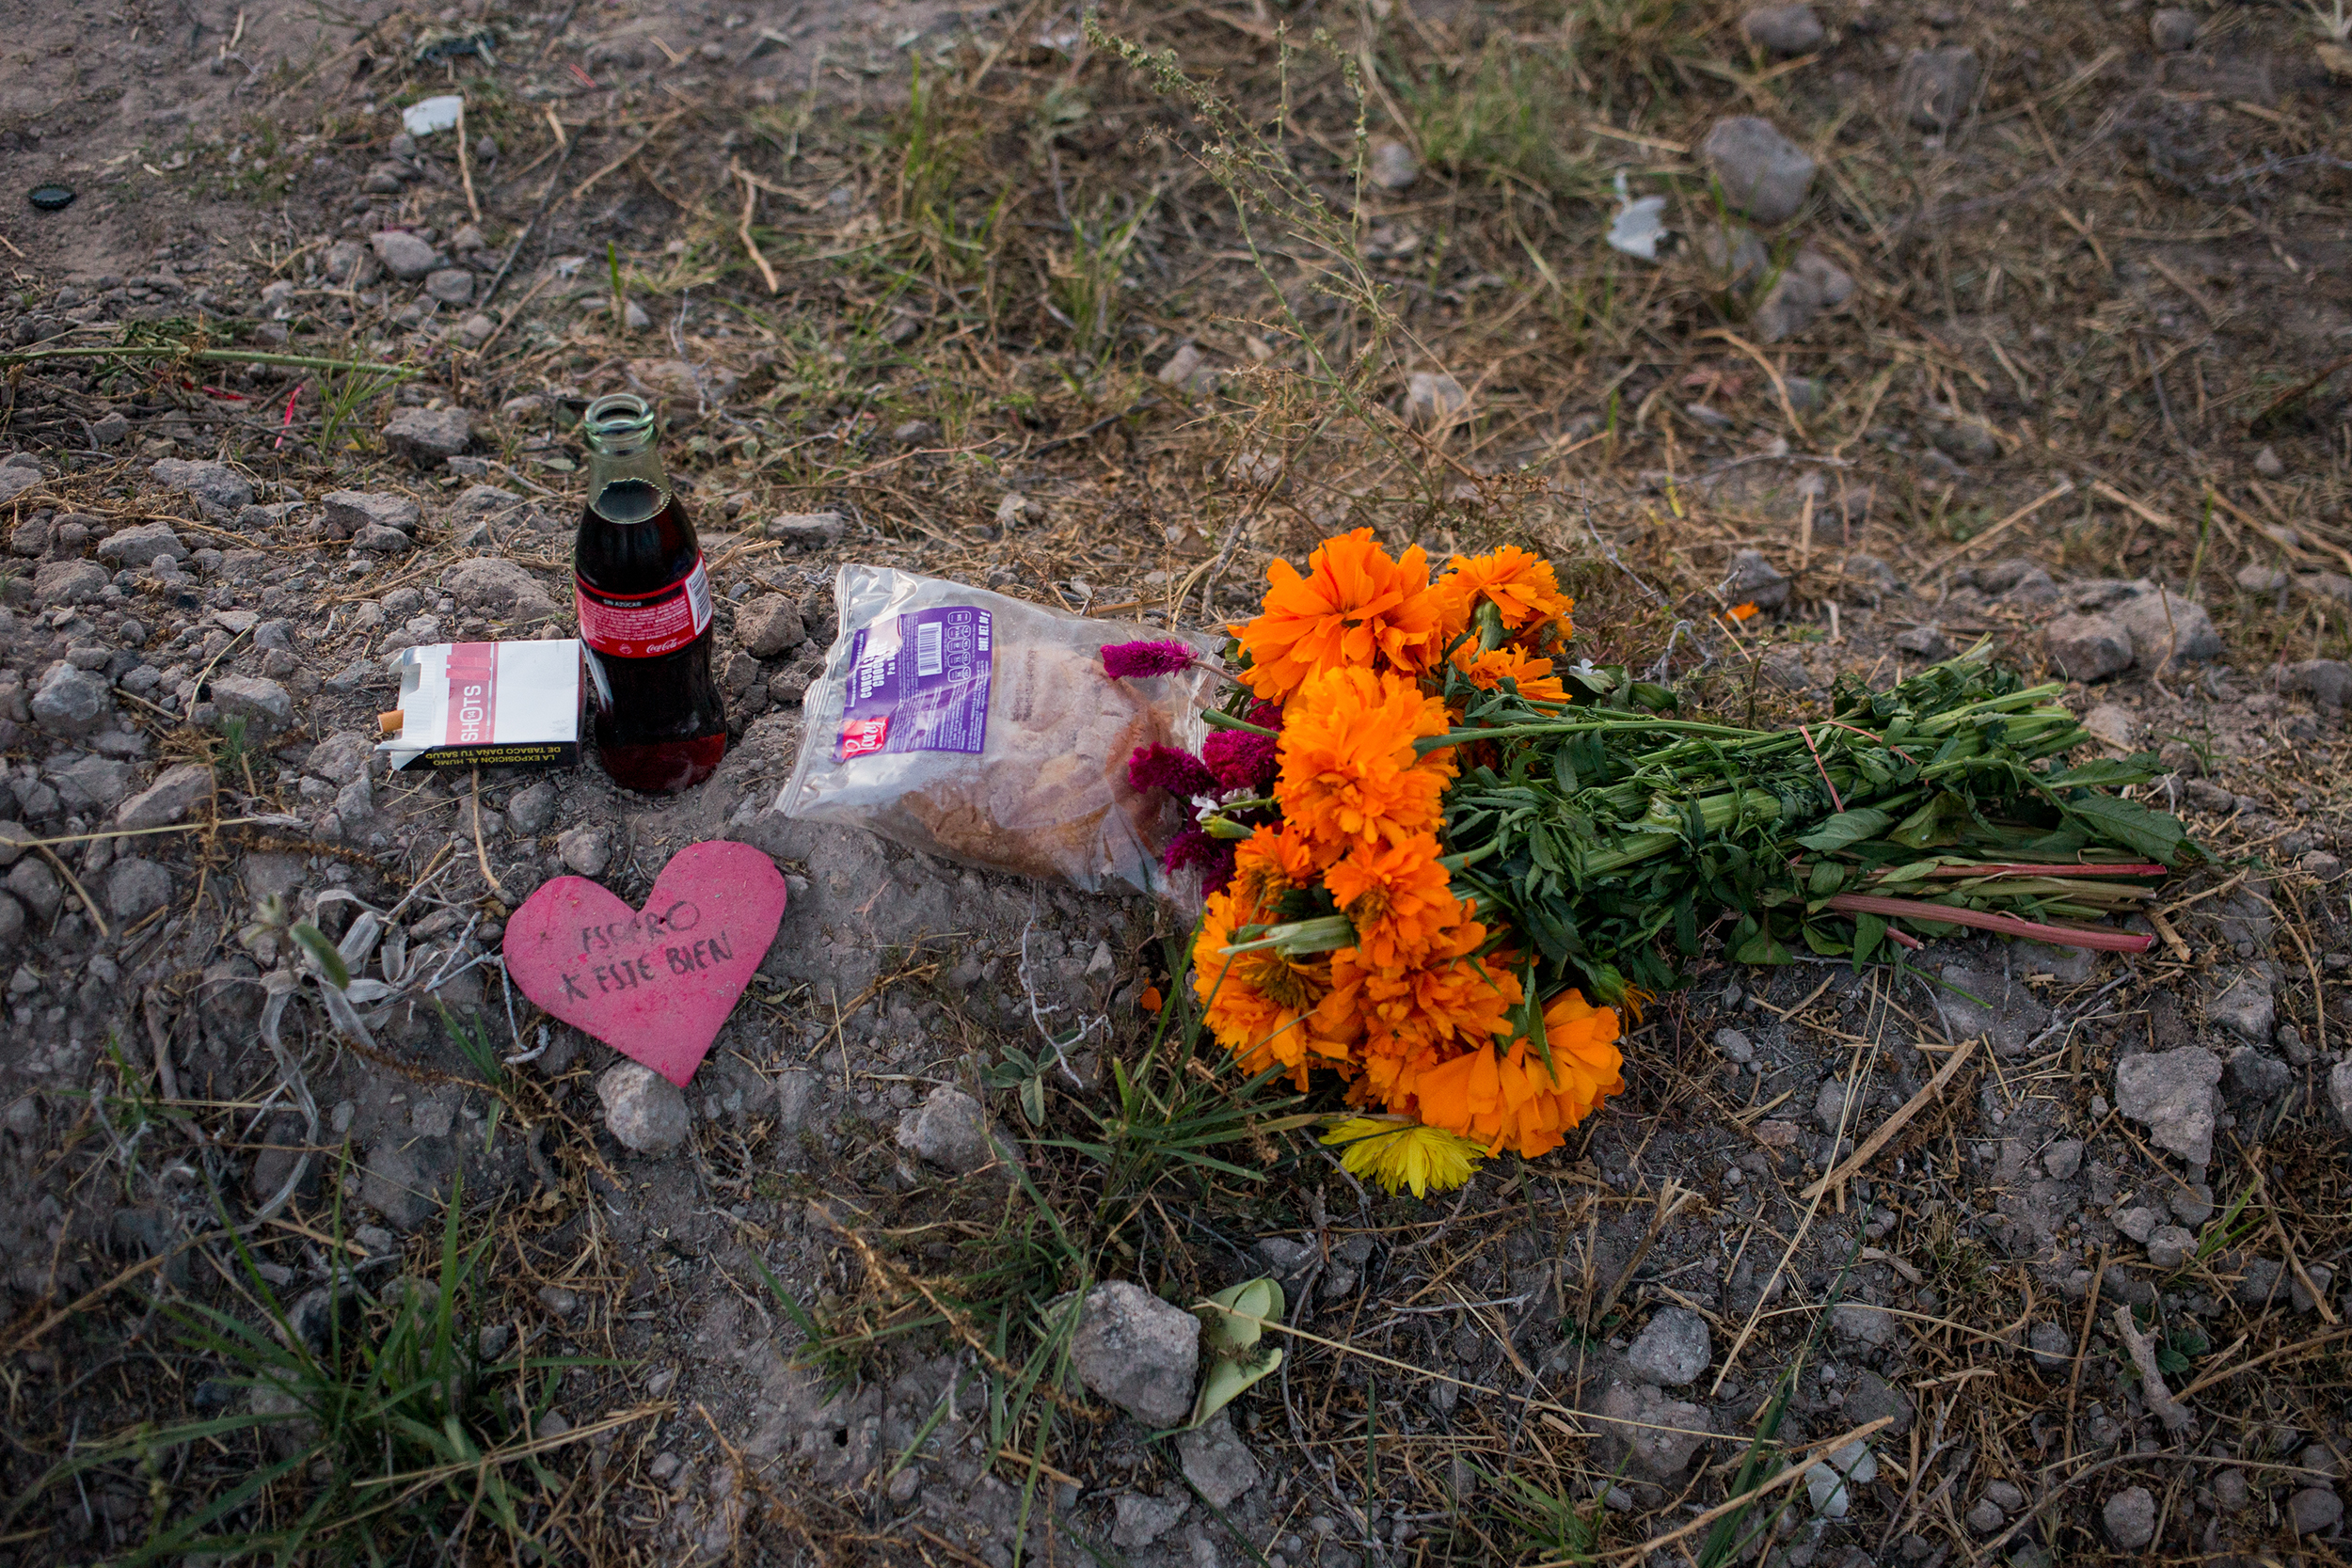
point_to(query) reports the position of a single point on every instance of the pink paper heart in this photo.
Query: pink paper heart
(654, 985)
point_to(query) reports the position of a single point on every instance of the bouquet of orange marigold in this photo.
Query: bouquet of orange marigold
(1418, 825)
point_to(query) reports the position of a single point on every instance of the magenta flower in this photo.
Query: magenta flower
(1180, 773)
(1138, 660)
(1213, 856)
(1240, 760)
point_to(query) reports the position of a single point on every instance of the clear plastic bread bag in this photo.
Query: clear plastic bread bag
(963, 724)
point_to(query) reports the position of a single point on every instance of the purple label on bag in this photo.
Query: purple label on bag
(919, 683)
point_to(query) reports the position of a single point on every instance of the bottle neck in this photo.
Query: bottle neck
(627, 486)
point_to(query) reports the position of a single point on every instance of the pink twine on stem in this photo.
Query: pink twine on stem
(1819, 764)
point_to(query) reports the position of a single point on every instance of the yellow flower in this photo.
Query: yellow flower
(1396, 1153)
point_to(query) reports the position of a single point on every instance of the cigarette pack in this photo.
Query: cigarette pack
(483, 704)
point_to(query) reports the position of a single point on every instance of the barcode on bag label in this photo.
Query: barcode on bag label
(927, 652)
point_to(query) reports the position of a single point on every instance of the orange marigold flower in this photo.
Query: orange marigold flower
(1517, 582)
(1741, 611)
(1353, 608)
(1397, 897)
(1261, 1005)
(1510, 1100)
(1417, 1017)
(1348, 767)
(1488, 672)
(1268, 864)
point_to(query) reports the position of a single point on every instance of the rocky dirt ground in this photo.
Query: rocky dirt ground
(2021, 322)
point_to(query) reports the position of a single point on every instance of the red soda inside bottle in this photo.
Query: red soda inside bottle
(645, 610)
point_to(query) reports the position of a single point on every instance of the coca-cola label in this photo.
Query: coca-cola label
(645, 626)
(919, 683)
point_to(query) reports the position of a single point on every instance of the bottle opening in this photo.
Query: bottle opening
(618, 423)
(630, 501)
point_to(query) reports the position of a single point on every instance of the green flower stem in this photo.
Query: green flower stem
(1217, 719)
(1512, 732)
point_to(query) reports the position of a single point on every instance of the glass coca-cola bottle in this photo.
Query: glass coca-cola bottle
(645, 610)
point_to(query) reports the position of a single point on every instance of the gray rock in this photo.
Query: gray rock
(1986, 1516)
(643, 1110)
(1926, 643)
(1662, 1434)
(1433, 401)
(405, 256)
(1754, 580)
(2339, 1092)
(1735, 259)
(1937, 86)
(2245, 1007)
(72, 702)
(1137, 1351)
(2063, 1158)
(1870, 1396)
(140, 545)
(1393, 167)
(1860, 1323)
(2172, 29)
(429, 436)
(2137, 1223)
(1218, 1462)
(2191, 1206)
(1812, 286)
(449, 285)
(2090, 648)
(2168, 630)
(13, 837)
(2006, 1495)
(949, 1129)
(2327, 681)
(2130, 1516)
(586, 850)
(2052, 1346)
(1762, 172)
(15, 481)
(500, 587)
(1982, 1003)
(1187, 369)
(2169, 1246)
(92, 784)
(136, 887)
(383, 541)
(70, 581)
(530, 810)
(1138, 1520)
(2314, 1510)
(2113, 725)
(768, 624)
(38, 887)
(1735, 1046)
(2257, 579)
(1672, 1349)
(261, 703)
(1784, 29)
(2322, 1278)
(219, 491)
(805, 530)
(11, 921)
(2173, 1093)
(349, 511)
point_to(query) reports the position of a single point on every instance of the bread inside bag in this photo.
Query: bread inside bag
(895, 741)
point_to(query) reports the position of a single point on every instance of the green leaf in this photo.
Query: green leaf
(1847, 828)
(330, 963)
(1229, 1331)
(2132, 825)
(1870, 930)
